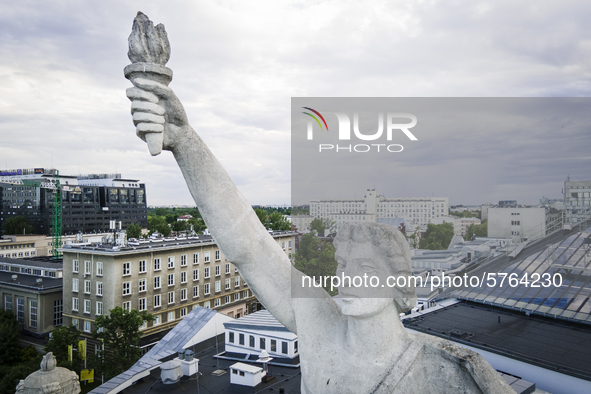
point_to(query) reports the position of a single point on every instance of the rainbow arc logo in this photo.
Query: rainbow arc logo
(315, 118)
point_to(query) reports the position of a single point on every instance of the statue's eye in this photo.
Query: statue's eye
(368, 267)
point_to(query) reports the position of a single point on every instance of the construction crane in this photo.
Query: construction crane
(56, 219)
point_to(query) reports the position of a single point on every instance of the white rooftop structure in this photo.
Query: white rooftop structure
(248, 336)
(246, 375)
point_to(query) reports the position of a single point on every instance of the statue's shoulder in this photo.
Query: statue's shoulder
(449, 355)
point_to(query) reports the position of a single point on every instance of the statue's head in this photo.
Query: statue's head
(367, 250)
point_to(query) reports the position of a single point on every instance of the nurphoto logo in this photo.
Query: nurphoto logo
(393, 124)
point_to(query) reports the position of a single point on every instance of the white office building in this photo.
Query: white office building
(416, 210)
(517, 222)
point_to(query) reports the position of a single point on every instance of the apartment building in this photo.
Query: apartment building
(32, 290)
(166, 278)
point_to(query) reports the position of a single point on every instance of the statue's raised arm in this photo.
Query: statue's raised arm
(161, 121)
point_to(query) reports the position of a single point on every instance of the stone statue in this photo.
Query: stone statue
(360, 346)
(50, 379)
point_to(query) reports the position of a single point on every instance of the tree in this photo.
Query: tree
(318, 226)
(322, 224)
(134, 230)
(301, 210)
(437, 236)
(315, 258)
(262, 215)
(415, 238)
(278, 222)
(17, 225)
(158, 223)
(198, 224)
(478, 230)
(465, 214)
(11, 374)
(120, 333)
(61, 338)
(9, 332)
(15, 364)
(180, 225)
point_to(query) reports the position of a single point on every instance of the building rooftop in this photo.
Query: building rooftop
(39, 261)
(246, 367)
(552, 344)
(261, 320)
(211, 381)
(150, 245)
(213, 376)
(30, 281)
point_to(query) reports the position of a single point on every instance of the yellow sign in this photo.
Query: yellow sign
(70, 353)
(82, 349)
(87, 374)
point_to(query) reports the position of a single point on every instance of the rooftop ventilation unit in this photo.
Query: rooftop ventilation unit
(189, 364)
(171, 372)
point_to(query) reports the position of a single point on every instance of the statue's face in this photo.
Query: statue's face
(364, 261)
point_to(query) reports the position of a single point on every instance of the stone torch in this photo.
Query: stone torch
(149, 50)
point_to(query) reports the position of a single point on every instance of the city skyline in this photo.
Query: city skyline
(63, 104)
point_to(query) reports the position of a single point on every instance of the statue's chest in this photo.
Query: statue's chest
(340, 374)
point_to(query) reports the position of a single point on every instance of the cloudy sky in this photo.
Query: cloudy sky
(238, 63)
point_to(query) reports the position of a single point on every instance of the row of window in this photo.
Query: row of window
(142, 264)
(171, 316)
(87, 305)
(126, 286)
(87, 287)
(142, 268)
(28, 270)
(87, 325)
(20, 246)
(262, 343)
(18, 255)
(20, 309)
(142, 302)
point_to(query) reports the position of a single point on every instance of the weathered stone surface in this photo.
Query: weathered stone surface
(149, 51)
(50, 379)
(357, 347)
(148, 43)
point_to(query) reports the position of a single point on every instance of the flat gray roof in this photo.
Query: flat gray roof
(30, 281)
(553, 344)
(164, 244)
(32, 263)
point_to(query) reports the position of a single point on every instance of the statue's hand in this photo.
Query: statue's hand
(156, 109)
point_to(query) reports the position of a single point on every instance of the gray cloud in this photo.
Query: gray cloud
(237, 64)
